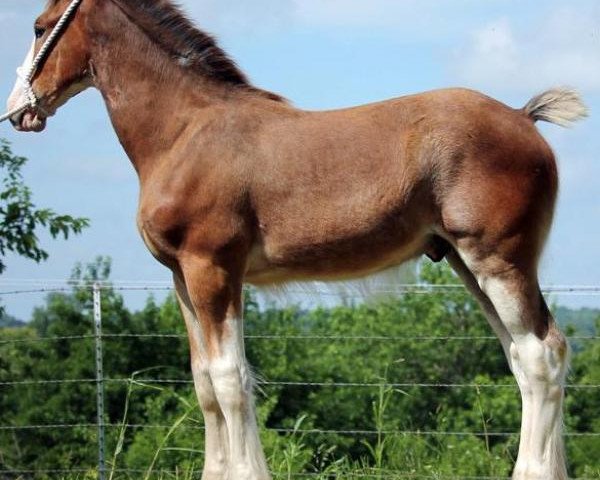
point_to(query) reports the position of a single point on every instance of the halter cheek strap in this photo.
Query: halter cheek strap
(26, 77)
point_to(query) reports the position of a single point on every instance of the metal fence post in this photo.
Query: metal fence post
(99, 379)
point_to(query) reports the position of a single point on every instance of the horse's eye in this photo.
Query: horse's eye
(39, 32)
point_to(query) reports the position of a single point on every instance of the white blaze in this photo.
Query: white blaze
(18, 96)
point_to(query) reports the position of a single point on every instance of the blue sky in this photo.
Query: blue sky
(325, 54)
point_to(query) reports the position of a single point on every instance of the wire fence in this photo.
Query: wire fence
(102, 381)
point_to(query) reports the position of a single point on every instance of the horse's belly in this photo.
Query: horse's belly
(271, 262)
(343, 229)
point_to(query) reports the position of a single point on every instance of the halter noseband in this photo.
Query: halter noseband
(26, 78)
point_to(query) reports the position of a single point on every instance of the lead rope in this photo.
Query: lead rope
(32, 101)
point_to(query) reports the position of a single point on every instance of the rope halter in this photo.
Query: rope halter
(26, 77)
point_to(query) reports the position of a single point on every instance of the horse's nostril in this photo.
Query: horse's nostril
(15, 121)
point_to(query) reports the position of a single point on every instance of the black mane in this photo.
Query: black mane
(175, 33)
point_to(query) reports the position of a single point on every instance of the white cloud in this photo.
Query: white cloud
(562, 48)
(258, 14)
(414, 19)
(239, 16)
(494, 53)
(349, 12)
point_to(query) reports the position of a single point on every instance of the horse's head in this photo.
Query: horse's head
(63, 72)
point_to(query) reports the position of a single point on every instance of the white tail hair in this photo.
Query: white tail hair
(562, 106)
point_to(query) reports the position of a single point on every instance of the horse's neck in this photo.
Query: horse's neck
(149, 106)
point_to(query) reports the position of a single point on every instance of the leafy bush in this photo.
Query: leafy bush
(394, 427)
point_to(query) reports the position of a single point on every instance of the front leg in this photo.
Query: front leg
(216, 296)
(216, 443)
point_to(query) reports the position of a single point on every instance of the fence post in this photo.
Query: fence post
(99, 379)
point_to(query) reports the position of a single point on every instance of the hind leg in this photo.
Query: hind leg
(461, 269)
(538, 355)
(504, 336)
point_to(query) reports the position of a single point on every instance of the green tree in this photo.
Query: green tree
(407, 340)
(20, 219)
(584, 407)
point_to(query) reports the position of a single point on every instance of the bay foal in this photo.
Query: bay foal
(239, 186)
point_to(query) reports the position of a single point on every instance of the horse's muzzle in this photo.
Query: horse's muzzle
(28, 121)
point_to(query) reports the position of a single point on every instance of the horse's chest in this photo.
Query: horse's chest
(158, 241)
(151, 244)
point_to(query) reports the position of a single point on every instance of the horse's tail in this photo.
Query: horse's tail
(562, 106)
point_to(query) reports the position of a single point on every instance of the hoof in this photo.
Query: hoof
(244, 474)
(214, 475)
(537, 474)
